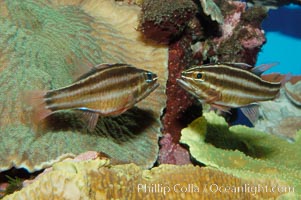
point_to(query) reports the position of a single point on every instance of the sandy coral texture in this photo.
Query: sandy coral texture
(96, 179)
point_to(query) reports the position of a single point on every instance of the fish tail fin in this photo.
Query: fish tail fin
(38, 109)
(286, 79)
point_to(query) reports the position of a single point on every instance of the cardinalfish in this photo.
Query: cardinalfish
(230, 85)
(106, 90)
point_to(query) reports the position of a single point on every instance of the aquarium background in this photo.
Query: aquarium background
(283, 45)
(169, 139)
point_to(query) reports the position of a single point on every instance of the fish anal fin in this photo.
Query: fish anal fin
(221, 108)
(251, 112)
(258, 70)
(91, 118)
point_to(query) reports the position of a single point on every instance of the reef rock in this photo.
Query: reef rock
(163, 21)
(42, 45)
(172, 153)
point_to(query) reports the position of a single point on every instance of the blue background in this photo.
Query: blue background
(283, 32)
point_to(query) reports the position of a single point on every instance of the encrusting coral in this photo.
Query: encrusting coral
(244, 152)
(97, 179)
(163, 21)
(281, 116)
(42, 45)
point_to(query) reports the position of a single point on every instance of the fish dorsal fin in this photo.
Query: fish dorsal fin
(244, 66)
(258, 70)
(98, 68)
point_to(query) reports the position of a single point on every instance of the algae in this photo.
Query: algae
(244, 152)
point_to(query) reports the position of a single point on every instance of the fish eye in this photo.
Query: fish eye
(149, 77)
(199, 75)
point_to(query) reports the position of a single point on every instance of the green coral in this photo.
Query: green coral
(42, 44)
(244, 152)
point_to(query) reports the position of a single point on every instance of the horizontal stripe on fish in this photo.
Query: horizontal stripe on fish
(117, 85)
(106, 90)
(106, 100)
(91, 84)
(227, 77)
(227, 85)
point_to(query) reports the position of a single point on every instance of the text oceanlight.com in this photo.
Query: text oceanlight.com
(213, 188)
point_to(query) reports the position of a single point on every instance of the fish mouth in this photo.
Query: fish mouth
(155, 78)
(186, 86)
(155, 85)
(181, 82)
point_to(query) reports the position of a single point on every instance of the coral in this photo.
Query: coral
(238, 39)
(42, 44)
(242, 35)
(244, 152)
(96, 179)
(178, 101)
(162, 21)
(172, 153)
(293, 92)
(210, 8)
(280, 116)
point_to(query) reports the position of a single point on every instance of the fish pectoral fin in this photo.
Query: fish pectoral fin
(251, 112)
(214, 96)
(91, 118)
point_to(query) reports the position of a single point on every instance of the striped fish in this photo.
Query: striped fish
(229, 85)
(106, 90)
